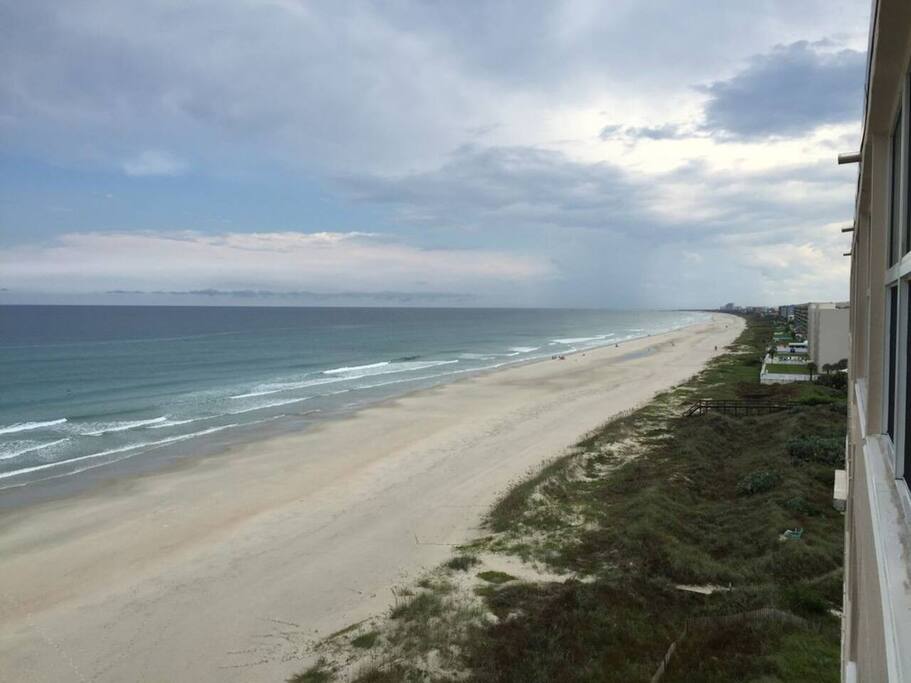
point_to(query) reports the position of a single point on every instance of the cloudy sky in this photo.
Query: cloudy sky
(603, 153)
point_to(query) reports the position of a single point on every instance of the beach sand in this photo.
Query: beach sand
(226, 567)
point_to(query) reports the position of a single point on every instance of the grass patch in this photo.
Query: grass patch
(461, 563)
(366, 641)
(318, 673)
(496, 577)
(421, 607)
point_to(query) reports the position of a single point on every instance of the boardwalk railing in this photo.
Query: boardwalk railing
(736, 408)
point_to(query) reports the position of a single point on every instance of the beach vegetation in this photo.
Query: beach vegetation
(496, 577)
(318, 673)
(665, 529)
(366, 640)
(423, 606)
(461, 563)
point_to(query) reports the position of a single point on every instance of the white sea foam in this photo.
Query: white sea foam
(30, 448)
(440, 374)
(387, 368)
(344, 374)
(28, 426)
(523, 349)
(124, 426)
(273, 404)
(355, 368)
(280, 387)
(174, 423)
(576, 340)
(114, 451)
(581, 340)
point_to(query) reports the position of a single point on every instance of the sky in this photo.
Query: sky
(603, 153)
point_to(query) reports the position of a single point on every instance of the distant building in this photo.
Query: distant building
(876, 637)
(800, 319)
(728, 307)
(786, 312)
(827, 332)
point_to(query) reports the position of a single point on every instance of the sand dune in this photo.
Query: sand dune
(224, 569)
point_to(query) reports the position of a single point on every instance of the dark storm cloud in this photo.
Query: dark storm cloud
(508, 186)
(787, 92)
(516, 189)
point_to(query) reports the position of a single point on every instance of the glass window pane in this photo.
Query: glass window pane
(904, 128)
(907, 468)
(893, 332)
(894, 218)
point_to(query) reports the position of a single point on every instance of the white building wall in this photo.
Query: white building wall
(828, 332)
(876, 639)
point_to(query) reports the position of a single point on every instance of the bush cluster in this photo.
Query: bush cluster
(836, 380)
(757, 482)
(823, 450)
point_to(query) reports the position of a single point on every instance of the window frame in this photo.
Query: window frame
(896, 367)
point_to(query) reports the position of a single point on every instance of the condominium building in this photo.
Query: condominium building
(800, 319)
(827, 332)
(877, 616)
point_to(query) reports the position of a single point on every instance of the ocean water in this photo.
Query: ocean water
(83, 387)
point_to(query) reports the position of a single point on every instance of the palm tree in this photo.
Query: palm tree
(827, 368)
(812, 368)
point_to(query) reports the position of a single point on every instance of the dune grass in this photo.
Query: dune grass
(649, 502)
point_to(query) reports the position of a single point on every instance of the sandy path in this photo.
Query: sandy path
(224, 569)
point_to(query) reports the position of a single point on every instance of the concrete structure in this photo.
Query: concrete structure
(840, 490)
(800, 319)
(876, 640)
(786, 312)
(827, 332)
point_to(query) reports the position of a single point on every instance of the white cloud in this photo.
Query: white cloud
(494, 145)
(153, 162)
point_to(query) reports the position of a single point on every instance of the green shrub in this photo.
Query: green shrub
(366, 640)
(805, 599)
(461, 563)
(837, 380)
(757, 482)
(799, 505)
(315, 674)
(425, 605)
(496, 577)
(823, 450)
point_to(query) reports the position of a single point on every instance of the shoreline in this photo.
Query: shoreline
(162, 459)
(225, 567)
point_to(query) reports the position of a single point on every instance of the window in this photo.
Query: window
(907, 469)
(907, 148)
(893, 339)
(895, 210)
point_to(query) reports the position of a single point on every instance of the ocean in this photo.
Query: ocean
(86, 387)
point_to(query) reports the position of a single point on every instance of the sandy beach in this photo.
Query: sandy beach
(226, 567)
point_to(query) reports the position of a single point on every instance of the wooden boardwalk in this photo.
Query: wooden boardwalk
(736, 408)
